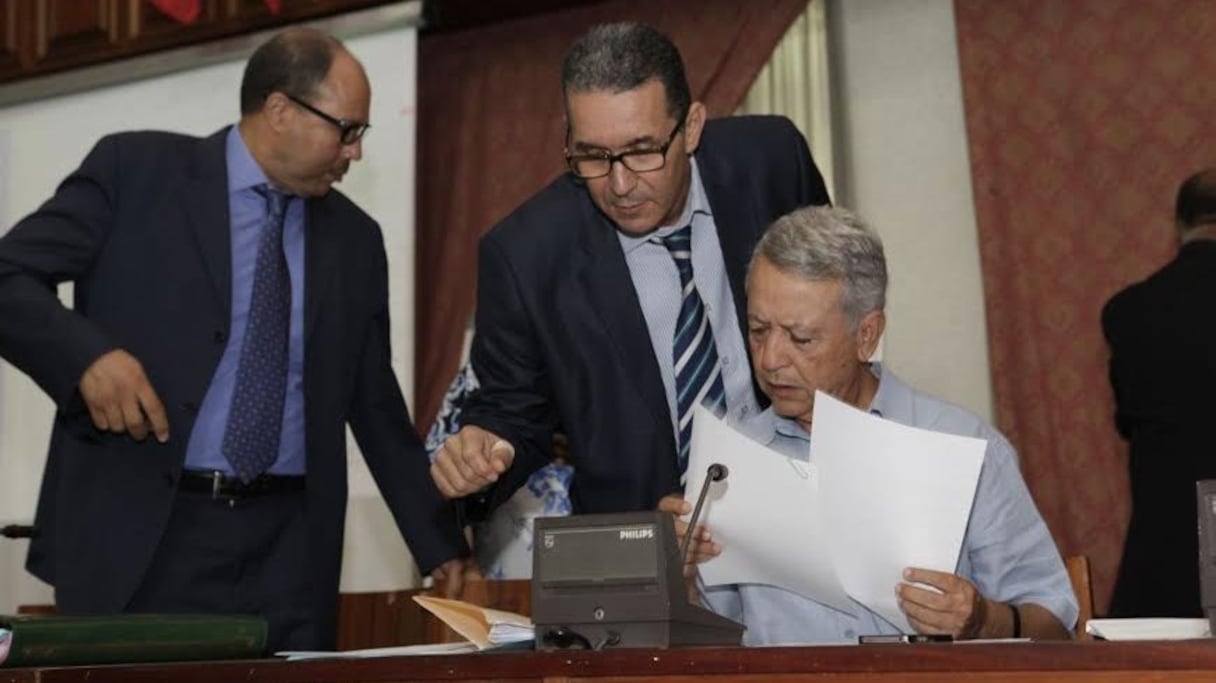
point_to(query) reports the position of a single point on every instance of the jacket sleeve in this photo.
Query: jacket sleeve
(57, 243)
(515, 397)
(394, 454)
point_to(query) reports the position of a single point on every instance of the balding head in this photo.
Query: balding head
(1195, 211)
(293, 62)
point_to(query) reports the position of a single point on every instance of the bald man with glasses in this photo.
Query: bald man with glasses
(219, 282)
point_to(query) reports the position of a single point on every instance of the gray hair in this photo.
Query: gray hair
(826, 243)
(620, 57)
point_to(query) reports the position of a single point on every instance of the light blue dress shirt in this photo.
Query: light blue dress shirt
(247, 211)
(1007, 551)
(657, 283)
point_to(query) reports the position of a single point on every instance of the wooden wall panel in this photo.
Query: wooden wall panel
(40, 37)
(11, 58)
(67, 30)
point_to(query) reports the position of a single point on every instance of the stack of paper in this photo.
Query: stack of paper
(482, 626)
(372, 653)
(1148, 629)
(879, 497)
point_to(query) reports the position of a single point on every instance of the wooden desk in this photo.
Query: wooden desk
(990, 663)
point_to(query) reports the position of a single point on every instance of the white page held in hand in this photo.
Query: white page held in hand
(763, 514)
(893, 496)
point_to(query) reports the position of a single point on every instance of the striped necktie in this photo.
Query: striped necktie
(255, 421)
(697, 372)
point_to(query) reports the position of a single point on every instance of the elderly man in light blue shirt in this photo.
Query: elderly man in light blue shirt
(816, 292)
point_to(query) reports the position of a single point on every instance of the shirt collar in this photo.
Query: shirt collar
(697, 205)
(892, 400)
(243, 171)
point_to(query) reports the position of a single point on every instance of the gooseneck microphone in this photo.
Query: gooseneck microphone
(715, 472)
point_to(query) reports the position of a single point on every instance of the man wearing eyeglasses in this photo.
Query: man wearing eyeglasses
(230, 319)
(611, 303)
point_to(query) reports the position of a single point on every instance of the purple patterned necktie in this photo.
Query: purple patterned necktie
(251, 439)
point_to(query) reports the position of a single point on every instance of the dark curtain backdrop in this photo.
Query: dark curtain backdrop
(490, 134)
(1083, 117)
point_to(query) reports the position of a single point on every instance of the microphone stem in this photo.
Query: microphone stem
(696, 514)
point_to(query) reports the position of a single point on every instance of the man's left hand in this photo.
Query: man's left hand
(959, 609)
(450, 576)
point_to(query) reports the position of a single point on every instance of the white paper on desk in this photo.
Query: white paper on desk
(764, 514)
(893, 497)
(372, 653)
(1148, 628)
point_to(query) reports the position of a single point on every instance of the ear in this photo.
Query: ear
(277, 110)
(694, 123)
(869, 331)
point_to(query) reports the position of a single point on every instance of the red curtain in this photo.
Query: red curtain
(490, 134)
(1083, 116)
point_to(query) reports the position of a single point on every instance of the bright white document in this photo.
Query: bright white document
(879, 497)
(752, 511)
(892, 497)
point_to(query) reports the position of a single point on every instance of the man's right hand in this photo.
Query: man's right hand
(470, 461)
(702, 546)
(121, 399)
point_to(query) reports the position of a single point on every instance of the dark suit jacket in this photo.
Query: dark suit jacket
(561, 338)
(142, 228)
(1162, 338)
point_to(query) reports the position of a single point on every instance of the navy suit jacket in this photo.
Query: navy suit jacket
(1163, 370)
(142, 229)
(560, 334)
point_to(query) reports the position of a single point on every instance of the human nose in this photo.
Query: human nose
(771, 353)
(621, 179)
(353, 151)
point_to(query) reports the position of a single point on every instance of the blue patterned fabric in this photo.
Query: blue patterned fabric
(698, 374)
(251, 438)
(503, 543)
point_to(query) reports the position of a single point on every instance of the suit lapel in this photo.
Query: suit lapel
(321, 257)
(609, 287)
(205, 202)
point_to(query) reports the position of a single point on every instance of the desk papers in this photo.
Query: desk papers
(482, 626)
(1148, 629)
(375, 652)
(879, 497)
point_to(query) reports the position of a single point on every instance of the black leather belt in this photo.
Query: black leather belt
(221, 485)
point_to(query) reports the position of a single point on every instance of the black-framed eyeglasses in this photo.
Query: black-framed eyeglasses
(349, 132)
(599, 164)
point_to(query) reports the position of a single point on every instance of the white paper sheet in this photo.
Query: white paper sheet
(892, 497)
(1148, 629)
(764, 514)
(399, 651)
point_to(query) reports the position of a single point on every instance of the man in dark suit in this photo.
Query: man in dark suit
(231, 317)
(1162, 340)
(612, 302)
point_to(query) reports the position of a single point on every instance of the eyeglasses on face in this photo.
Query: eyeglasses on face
(349, 132)
(599, 164)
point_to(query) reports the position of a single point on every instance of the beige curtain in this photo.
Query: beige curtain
(795, 84)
